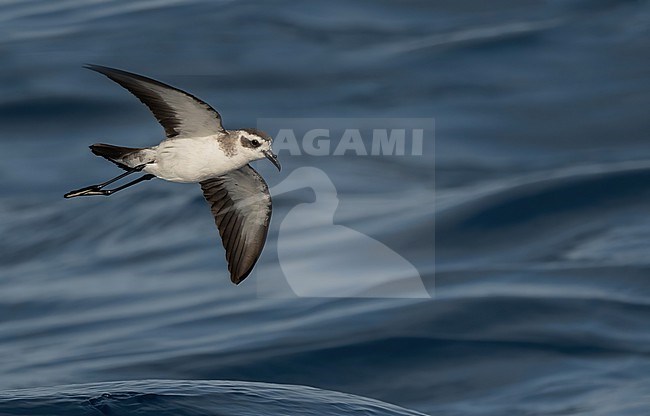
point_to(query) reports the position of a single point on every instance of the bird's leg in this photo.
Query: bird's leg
(92, 189)
(108, 192)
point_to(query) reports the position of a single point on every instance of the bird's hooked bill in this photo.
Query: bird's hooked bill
(273, 158)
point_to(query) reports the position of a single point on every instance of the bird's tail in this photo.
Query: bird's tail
(124, 157)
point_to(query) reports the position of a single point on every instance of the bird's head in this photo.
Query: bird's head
(256, 144)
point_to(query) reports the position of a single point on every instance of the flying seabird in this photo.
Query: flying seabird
(197, 149)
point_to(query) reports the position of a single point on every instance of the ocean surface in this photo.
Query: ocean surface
(526, 219)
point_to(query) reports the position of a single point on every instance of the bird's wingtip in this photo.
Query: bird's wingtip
(105, 70)
(238, 278)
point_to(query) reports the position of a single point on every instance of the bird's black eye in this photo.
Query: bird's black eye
(255, 142)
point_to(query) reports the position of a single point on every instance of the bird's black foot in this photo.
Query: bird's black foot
(87, 191)
(97, 189)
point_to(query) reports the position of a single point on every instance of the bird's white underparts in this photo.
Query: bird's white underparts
(197, 149)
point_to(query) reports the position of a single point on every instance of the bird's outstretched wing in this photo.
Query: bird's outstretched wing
(180, 113)
(241, 206)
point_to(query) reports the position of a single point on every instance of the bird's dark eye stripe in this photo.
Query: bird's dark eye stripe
(251, 143)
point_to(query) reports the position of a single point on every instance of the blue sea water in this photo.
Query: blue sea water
(527, 220)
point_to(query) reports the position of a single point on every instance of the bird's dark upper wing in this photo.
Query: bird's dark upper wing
(180, 113)
(241, 206)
